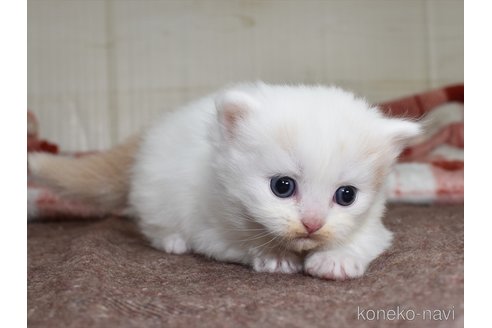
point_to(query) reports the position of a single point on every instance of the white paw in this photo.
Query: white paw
(277, 264)
(173, 244)
(334, 265)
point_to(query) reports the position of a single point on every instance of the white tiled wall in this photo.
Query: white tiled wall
(100, 70)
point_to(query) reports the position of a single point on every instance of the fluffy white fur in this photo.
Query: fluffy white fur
(201, 178)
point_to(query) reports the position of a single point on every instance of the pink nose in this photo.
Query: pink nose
(312, 224)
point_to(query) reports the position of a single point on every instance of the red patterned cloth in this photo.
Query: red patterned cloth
(33, 142)
(42, 202)
(425, 172)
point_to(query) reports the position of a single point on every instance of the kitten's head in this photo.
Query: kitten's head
(307, 164)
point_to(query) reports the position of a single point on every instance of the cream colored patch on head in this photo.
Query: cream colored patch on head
(371, 152)
(342, 147)
(380, 175)
(381, 167)
(286, 136)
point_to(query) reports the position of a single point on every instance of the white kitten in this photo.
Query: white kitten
(282, 178)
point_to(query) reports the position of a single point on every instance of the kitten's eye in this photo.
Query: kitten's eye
(283, 187)
(345, 195)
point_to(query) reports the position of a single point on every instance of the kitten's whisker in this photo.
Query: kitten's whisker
(255, 237)
(268, 242)
(241, 229)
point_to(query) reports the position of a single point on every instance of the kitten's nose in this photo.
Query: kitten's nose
(312, 224)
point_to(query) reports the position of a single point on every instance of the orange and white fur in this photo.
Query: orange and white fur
(280, 178)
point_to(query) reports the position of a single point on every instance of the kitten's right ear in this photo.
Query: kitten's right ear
(401, 132)
(233, 107)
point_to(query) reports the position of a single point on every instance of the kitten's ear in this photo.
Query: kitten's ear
(232, 108)
(400, 132)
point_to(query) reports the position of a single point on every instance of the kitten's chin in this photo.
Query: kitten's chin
(303, 244)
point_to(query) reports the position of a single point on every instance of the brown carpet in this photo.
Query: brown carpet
(103, 274)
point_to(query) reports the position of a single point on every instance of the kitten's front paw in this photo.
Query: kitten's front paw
(272, 263)
(334, 265)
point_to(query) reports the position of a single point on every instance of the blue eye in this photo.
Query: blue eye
(283, 187)
(345, 195)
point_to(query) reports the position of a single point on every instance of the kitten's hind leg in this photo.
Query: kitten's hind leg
(173, 244)
(165, 238)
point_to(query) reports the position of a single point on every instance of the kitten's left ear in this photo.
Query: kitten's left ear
(401, 132)
(233, 107)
